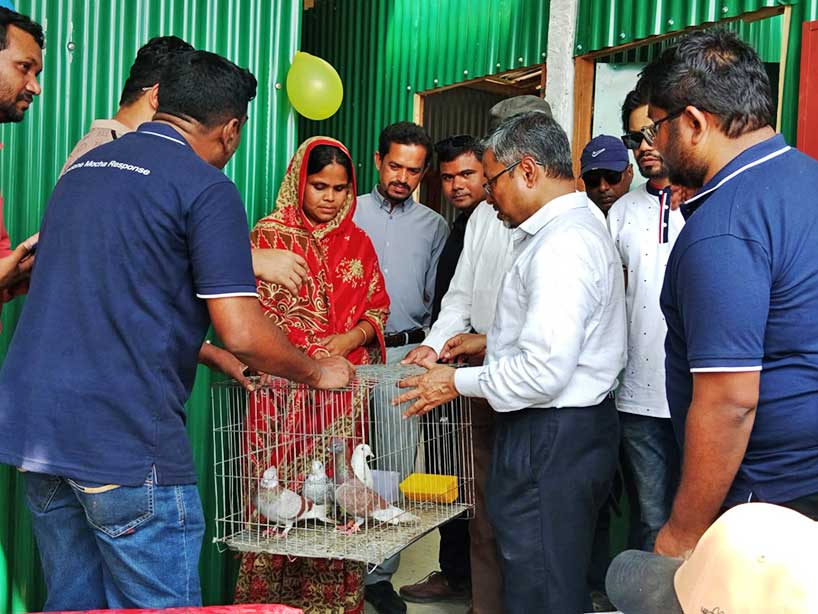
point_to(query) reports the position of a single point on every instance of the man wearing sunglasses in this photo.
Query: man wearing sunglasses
(740, 295)
(606, 171)
(644, 225)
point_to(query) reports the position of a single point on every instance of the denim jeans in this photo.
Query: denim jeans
(654, 461)
(118, 547)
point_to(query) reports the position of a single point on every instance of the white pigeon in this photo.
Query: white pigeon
(281, 506)
(318, 488)
(359, 465)
(358, 501)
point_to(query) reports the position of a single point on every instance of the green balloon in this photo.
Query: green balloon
(314, 87)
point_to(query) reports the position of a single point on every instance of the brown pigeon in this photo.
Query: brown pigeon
(358, 501)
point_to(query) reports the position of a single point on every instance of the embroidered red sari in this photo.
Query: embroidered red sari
(343, 288)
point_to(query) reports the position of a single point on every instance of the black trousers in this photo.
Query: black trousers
(445, 452)
(551, 473)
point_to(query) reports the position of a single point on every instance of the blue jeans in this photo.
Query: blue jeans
(654, 460)
(118, 547)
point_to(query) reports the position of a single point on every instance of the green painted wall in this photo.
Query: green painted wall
(607, 23)
(388, 50)
(82, 84)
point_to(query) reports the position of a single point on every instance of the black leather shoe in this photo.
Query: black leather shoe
(384, 598)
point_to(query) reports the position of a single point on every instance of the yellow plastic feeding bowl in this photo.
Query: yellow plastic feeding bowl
(430, 488)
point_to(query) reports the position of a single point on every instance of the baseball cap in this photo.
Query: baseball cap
(604, 152)
(757, 558)
(516, 105)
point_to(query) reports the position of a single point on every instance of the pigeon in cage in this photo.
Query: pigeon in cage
(360, 466)
(283, 507)
(358, 501)
(318, 488)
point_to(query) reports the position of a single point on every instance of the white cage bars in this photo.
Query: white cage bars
(352, 479)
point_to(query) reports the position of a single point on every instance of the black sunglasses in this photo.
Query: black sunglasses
(633, 139)
(594, 178)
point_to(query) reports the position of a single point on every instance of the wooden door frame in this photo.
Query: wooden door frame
(585, 72)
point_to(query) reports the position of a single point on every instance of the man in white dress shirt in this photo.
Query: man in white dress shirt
(554, 351)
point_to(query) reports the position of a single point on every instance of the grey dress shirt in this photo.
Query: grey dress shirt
(408, 240)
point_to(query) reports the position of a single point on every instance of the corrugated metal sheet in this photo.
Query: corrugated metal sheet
(82, 84)
(607, 23)
(387, 50)
(461, 110)
(763, 34)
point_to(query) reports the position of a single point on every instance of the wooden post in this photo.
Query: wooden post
(584, 70)
(807, 140)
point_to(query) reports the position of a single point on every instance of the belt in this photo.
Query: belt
(404, 337)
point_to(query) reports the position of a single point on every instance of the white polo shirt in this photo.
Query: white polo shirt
(644, 229)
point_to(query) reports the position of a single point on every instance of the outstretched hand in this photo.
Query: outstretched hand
(429, 390)
(463, 347)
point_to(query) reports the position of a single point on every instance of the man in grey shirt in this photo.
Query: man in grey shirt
(408, 238)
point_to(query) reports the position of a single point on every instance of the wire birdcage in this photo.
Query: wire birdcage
(340, 473)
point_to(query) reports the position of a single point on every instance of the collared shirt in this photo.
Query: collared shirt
(741, 294)
(558, 337)
(101, 131)
(136, 234)
(644, 229)
(472, 296)
(408, 239)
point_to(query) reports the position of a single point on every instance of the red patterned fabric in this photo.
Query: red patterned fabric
(249, 608)
(289, 428)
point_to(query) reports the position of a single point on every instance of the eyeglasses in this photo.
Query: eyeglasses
(488, 186)
(593, 179)
(650, 132)
(633, 139)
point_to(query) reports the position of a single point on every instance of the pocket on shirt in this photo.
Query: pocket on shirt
(113, 509)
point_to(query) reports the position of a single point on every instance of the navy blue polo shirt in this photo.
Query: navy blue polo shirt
(741, 294)
(138, 232)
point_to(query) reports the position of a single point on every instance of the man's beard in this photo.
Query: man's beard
(683, 167)
(9, 111)
(657, 173)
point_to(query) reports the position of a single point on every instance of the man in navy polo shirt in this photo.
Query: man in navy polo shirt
(741, 288)
(143, 245)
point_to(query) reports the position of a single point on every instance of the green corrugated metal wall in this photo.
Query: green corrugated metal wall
(607, 23)
(84, 84)
(387, 50)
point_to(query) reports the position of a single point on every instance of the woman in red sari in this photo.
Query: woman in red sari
(340, 309)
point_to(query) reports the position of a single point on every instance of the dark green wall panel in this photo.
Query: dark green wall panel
(387, 50)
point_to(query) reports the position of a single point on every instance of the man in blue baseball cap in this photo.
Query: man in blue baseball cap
(606, 171)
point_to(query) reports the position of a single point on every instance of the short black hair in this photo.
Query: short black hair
(453, 147)
(205, 87)
(151, 61)
(633, 101)
(323, 155)
(13, 18)
(716, 72)
(405, 133)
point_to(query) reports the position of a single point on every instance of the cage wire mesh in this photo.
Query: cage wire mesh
(339, 473)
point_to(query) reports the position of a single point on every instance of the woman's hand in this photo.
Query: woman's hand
(342, 344)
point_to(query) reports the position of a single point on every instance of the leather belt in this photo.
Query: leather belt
(404, 337)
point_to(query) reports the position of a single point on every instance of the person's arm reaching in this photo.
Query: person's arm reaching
(259, 344)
